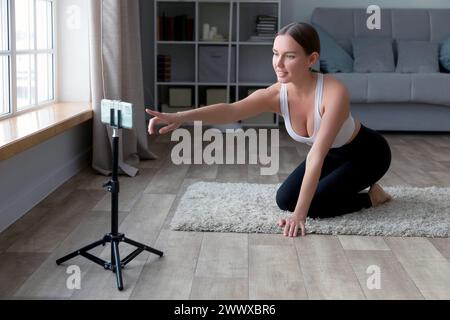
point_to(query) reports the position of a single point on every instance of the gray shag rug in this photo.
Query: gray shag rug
(251, 208)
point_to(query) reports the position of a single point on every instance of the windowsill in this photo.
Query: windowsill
(24, 131)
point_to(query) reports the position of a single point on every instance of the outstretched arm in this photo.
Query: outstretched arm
(256, 103)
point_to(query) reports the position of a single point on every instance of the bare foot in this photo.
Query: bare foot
(377, 195)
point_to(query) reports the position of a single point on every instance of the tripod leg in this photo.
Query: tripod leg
(143, 246)
(78, 252)
(117, 264)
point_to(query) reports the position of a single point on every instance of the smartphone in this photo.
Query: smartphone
(126, 113)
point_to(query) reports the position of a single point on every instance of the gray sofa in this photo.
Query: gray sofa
(393, 101)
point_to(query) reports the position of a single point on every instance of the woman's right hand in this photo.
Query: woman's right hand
(172, 120)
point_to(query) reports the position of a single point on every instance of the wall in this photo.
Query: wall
(28, 177)
(301, 10)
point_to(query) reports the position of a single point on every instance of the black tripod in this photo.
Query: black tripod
(114, 237)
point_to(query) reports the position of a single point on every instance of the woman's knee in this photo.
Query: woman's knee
(284, 201)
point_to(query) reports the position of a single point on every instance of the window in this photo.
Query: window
(27, 55)
(5, 58)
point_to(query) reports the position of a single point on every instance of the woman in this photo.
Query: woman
(345, 158)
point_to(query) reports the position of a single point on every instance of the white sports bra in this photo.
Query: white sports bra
(342, 137)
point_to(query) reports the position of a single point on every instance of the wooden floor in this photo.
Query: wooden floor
(221, 265)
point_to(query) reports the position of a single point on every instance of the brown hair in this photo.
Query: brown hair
(305, 35)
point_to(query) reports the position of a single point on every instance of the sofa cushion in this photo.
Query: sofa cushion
(373, 54)
(429, 88)
(356, 84)
(333, 58)
(444, 54)
(417, 56)
(377, 87)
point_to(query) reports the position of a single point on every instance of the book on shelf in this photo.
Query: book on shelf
(266, 17)
(274, 27)
(265, 33)
(259, 38)
(175, 28)
(266, 23)
(266, 20)
(164, 67)
(266, 28)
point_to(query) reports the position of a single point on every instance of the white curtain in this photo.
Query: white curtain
(116, 74)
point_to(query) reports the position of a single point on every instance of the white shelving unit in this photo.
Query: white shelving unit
(247, 65)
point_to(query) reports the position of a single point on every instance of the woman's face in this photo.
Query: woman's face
(290, 61)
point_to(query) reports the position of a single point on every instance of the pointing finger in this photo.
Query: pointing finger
(152, 112)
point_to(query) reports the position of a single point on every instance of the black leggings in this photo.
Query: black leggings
(346, 171)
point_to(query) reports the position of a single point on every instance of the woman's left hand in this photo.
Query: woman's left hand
(292, 225)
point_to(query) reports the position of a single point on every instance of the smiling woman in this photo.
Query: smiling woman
(342, 161)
